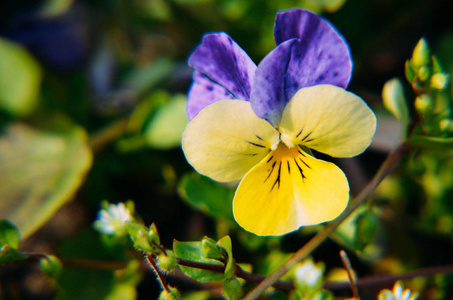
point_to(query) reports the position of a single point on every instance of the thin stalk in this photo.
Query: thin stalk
(351, 275)
(152, 263)
(386, 168)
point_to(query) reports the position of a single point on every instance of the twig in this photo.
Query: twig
(386, 168)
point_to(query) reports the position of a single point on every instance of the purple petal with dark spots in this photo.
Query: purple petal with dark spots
(204, 92)
(268, 96)
(225, 63)
(322, 56)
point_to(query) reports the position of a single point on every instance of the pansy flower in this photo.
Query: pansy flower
(257, 124)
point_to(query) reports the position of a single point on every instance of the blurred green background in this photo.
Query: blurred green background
(92, 98)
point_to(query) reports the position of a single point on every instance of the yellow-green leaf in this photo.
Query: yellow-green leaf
(9, 234)
(41, 170)
(8, 255)
(20, 79)
(165, 128)
(193, 251)
(395, 101)
(207, 195)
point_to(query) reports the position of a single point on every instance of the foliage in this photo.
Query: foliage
(93, 107)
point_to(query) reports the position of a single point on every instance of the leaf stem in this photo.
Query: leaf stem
(386, 168)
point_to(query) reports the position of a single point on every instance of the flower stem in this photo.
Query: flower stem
(351, 275)
(386, 168)
(156, 270)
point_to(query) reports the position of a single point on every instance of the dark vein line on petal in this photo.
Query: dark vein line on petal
(309, 140)
(259, 137)
(300, 132)
(278, 177)
(300, 170)
(270, 171)
(257, 145)
(301, 153)
(252, 154)
(217, 83)
(306, 137)
(289, 168)
(304, 163)
(270, 158)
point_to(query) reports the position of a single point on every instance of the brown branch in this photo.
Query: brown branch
(249, 277)
(93, 264)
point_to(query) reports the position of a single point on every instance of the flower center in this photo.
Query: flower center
(284, 152)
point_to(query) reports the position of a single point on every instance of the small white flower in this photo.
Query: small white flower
(308, 276)
(398, 293)
(111, 219)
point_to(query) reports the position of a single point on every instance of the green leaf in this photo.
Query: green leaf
(192, 251)
(323, 295)
(395, 101)
(143, 237)
(330, 5)
(197, 295)
(367, 223)
(20, 79)
(345, 233)
(272, 262)
(210, 248)
(41, 169)
(8, 255)
(421, 55)
(232, 289)
(55, 7)
(126, 281)
(230, 267)
(207, 195)
(143, 79)
(166, 126)
(171, 294)
(156, 9)
(9, 234)
(409, 71)
(51, 266)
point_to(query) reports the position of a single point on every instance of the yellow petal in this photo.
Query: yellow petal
(328, 119)
(226, 139)
(289, 189)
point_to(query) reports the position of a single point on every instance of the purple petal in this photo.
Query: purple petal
(204, 92)
(268, 96)
(225, 63)
(322, 57)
